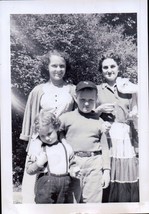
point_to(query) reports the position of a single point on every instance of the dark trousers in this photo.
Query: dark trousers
(52, 189)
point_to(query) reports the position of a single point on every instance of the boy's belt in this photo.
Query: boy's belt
(52, 174)
(88, 153)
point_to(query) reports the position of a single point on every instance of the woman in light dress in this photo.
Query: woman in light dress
(55, 95)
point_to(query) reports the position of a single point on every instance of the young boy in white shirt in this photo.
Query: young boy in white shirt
(52, 161)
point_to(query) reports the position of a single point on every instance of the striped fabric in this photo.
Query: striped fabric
(124, 170)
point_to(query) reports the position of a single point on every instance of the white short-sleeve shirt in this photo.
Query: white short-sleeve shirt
(57, 99)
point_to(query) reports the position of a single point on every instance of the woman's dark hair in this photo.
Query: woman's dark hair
(46, 61)
(113, 56)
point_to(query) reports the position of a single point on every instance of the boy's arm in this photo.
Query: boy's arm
(74, 169)
(36, 164)
(105, 152)
(72, 160)
(32, 168)
(106, 161)
(62, 129)
(61, 135)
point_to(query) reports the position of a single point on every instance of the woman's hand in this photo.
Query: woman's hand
(105, 108)
(134, 113)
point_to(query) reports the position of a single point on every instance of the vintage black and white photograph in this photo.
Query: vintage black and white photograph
(75, 108)
(81, 69)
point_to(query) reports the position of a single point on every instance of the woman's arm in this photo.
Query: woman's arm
(27, 120)
(31, 110)
(105, 108)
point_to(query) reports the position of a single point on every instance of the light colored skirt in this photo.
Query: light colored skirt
(28, 186)
(124, 165)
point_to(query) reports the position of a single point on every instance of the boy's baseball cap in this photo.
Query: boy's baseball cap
(85, 84)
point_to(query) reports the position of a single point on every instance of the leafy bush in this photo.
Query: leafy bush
(19, 149)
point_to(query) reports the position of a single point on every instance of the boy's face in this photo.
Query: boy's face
(48, 135)
(86, 100)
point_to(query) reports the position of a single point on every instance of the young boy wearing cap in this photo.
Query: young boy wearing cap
(84, 131)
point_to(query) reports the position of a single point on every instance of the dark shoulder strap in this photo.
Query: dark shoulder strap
(66, 157)
(44, 149)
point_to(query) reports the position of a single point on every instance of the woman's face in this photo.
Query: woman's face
(110, 69)
(57, 67)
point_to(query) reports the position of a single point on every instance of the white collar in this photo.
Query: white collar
(35, 136)
(106, 85)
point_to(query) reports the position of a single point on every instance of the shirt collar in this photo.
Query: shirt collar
(106, 85)
(91, 114)
(35, 136)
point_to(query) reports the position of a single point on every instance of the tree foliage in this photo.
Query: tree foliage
(85, 37)
(128, 20)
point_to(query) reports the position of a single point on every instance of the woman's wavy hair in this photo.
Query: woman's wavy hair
(46, 61)
(111, 55)
(45, 118)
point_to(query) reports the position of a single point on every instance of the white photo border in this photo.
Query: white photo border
(76, 6)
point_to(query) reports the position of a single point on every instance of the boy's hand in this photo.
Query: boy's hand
(106, 127)
(105, 179)
(75, 172)
(32, 158)
(41, 159)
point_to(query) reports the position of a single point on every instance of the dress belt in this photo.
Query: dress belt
(88, 153)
